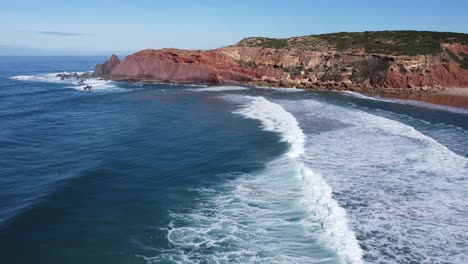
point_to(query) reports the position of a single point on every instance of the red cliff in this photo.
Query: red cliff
(184, 66)
(391, 62)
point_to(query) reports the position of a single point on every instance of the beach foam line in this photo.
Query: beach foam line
(280, 89)
(219, 89)
(317, 193)
(451, 109)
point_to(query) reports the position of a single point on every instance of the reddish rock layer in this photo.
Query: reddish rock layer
(447, 75)
(184, 66)
(350, 69)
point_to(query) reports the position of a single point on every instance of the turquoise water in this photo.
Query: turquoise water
(158, 173)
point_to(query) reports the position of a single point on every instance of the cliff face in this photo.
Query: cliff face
(373, 62)
(356, 69)
(184, 66)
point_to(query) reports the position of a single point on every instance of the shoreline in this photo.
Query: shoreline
(453, 97)
(449, 96)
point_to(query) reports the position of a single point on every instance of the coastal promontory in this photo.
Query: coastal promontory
(382, 61)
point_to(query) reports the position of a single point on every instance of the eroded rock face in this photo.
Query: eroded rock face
(358, 69)
(107, 67)
(185, 66)
(446, 75)
(352, 69)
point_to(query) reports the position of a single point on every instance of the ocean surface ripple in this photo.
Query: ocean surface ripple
(165, 173)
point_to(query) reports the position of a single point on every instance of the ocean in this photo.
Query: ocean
(161, 173)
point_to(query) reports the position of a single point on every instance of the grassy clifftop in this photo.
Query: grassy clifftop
(384, 42)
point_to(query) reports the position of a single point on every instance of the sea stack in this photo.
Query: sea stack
(107, 67)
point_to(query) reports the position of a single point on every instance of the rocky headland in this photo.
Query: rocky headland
(371, 62)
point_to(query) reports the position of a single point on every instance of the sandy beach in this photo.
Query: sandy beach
(456, 97)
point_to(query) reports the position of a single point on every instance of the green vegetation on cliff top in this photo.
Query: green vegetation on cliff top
(383, 42)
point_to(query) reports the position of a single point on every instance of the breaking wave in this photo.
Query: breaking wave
(283, 214)
(317, 193)
(403, 191)
(73, 83)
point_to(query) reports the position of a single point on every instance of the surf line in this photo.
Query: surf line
(317, 198)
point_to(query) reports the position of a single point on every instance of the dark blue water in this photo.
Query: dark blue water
(156, 173)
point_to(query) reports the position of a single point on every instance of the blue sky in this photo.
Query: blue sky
(102, 27)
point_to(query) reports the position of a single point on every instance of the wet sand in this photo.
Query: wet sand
(456, 97)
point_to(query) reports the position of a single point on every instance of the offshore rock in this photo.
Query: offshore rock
(107, 67)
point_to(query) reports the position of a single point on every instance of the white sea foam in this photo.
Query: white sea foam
(73, 83)
(358, 95)
(400, 192)
(317, 193)
(219, 89)
(196, 85)
(46, 77)
(404, 192)
(256, 218)
(409, 102)
(280, 89)
(283, 214)
(274, 118)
